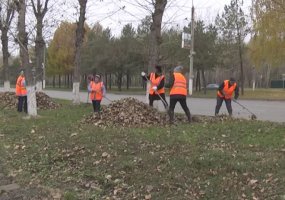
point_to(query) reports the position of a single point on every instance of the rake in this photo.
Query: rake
(253, 116)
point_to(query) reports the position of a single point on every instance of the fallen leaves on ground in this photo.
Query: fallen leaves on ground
(8, 100)
(130, 112)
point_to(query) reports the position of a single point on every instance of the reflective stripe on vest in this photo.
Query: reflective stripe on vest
(180, 86)
(228, 91)
(155, 82)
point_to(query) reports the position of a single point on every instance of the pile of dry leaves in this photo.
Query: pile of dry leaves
(8, 100)
(127, 112)
(130, 112)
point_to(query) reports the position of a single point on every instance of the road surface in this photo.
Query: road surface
(264, 110)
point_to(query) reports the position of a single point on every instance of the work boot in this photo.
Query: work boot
(188, 114)
(171, 116)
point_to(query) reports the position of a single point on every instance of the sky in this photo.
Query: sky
(178, 12)
(117, 13)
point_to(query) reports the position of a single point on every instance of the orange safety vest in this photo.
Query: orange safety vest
(155, 82)
(228, 90)
(20, 87)
(180, 85)
(96, 90)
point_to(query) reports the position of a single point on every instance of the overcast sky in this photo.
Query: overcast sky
(117, 13)
(178, 12)
(110, 13)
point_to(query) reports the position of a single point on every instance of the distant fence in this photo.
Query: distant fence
(277, 84)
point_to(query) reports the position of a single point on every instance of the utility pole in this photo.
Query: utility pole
(191, 74)
(44, 68)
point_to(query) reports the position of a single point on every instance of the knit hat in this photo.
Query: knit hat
(178, 68)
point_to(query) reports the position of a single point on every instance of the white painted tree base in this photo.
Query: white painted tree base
(39, 86)
(75, 92)
(32, 101)
(7, 86)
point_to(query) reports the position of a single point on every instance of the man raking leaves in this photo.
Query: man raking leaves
(225, 93)
(156, 91)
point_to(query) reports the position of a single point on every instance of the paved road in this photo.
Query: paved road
(264, 110)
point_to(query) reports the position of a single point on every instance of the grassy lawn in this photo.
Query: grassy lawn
(231, 160)
(258, 94)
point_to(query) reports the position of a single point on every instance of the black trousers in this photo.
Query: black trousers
(155, 97)
(96, 105)
(22, 101)
(183, 104)
(228, 105)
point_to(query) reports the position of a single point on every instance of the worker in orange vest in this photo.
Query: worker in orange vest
(178, 92)
(21, 93)
(225, 92)
(97, 91)
(157, 80)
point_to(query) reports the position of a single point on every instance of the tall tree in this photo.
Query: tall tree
(155, 34)
(268, 36)
(6, 16)
(61, 50)
(40, 9)
(24, 55)
(233, 27)
(78, 44)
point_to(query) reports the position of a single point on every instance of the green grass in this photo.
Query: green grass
(198, 161)
(258, 94)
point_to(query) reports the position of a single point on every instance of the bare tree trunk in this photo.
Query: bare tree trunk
(24, 55)
(110, 81)
(39, 13)
(155, 36)
(197, 79)
(78, 44)
(120, 76)
(268, 72)
(240, 53)
(128, 80)
(5, 23)
(4, 39)
(204, 80)
(59, 81)
(68, 81)
(53, 81)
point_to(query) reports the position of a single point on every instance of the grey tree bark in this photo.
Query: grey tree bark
(6, 17)
(40, 11)
(78, 44)
(155, 36)
(24, 55)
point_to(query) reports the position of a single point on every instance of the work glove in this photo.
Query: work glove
(154, 88)
(143, 73)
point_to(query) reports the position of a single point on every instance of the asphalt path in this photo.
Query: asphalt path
(264, 110)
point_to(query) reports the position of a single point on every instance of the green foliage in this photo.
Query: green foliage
(61, 51)
(268, 28)
(232, 28)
